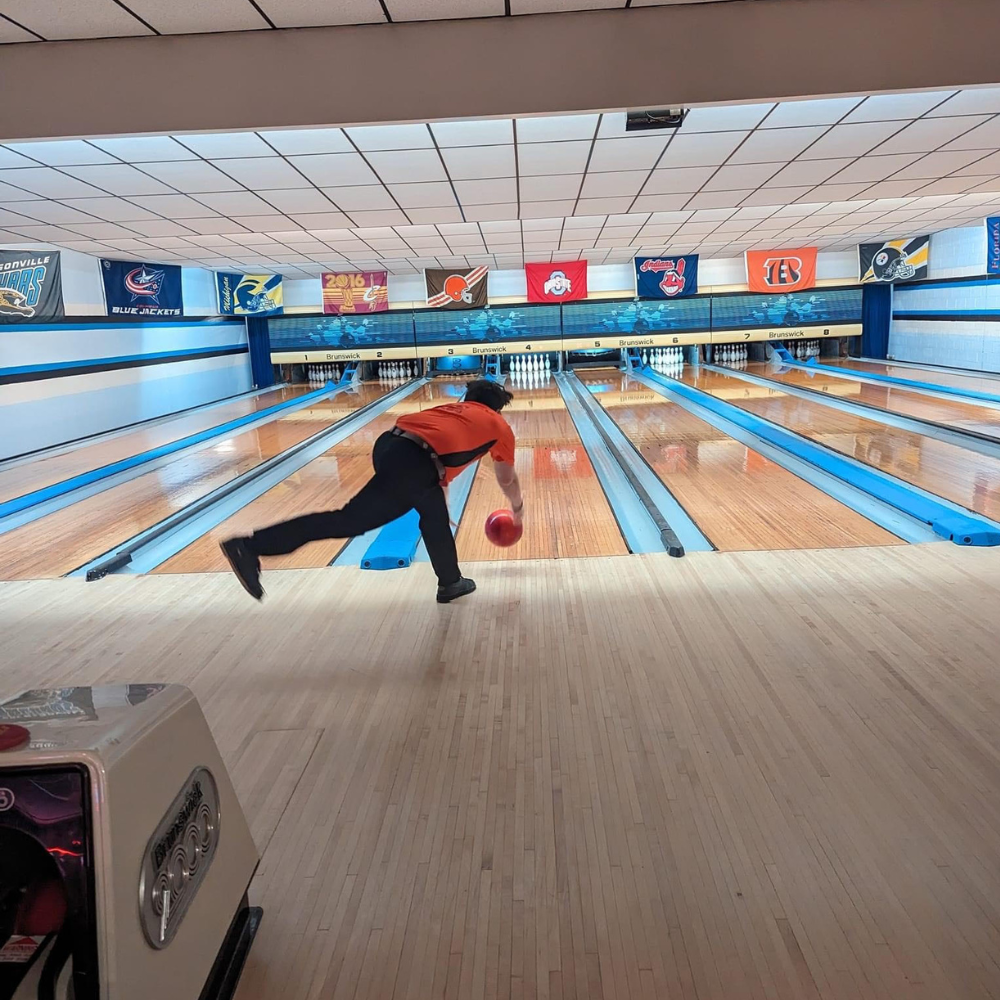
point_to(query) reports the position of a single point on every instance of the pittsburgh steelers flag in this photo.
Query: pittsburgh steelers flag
(250, 294)
(462, 288)
(557, 282)
(897, 260)
(781, 270)
(350, 292)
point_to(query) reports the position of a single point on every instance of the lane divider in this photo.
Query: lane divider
(958, 527)
(904, 383)
(46, 493)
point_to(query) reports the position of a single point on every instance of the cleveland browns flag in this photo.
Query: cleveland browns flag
(557, 282)
(666, 277)
(897, 260)
(781, 270)
(461, 288)
(348, 292)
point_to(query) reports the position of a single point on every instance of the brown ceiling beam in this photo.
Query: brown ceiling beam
(643, 57)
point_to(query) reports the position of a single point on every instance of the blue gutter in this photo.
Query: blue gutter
(853, 373)
(948, 521)
(66, 486)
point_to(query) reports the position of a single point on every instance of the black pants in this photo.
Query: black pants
(405, 479)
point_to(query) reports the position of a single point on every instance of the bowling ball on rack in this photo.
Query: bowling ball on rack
(502, 530)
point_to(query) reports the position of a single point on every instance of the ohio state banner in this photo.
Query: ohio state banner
(895, 260)
(461, 288)
(250, 294)
(666, 277)
(350, 292)
(132, 289)
(30, 286)
(781, 270)
(557, 282)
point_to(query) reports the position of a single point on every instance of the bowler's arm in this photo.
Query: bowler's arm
(507, 481)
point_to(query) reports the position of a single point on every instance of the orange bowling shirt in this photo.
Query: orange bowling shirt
(460, 433)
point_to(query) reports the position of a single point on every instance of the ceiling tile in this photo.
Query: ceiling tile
(935, 165)
(728, 118)
(10, 32)
(555, 187)
(546, 209)
(364, 198)
(53, 212)
(8, 193)
(58, 19)
(701, 150)
(459, 229)
(300, 141)
(434, 215)
(263, 173)
(381, 137)
(298, 200)
(985, 137)
(8, 158)
(421, 10)
(237, 203)
(101, 230)
(489, 192)
(509, 226)
(110, 209)
(640, 153)
(314, 221)
(401, 167)
(928, 134)
(803, 172)
(947, 185)
(561, 127)
(474, 133)
(772, 145)
(835, 192)
(874, 168)
(159, 227)
(733, 178)
(328, 169)
(850, 140)
(181, 18)
(192, 177)
(887, 107)
(478, 162)
(47, 182)
(587, 206)
(892, 189)
(824, 112)
(611, 185)
(981, 167)
(660, 202)
(145, 149)
(675, 181)
(553, 158)
(227, 144)
(214, 225)
(431, 195)
(389, 217)
(775, 196)
(60, 153)
(985, 100)
(118, 178)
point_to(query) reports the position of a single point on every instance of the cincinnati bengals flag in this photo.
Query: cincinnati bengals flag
(462, 288)
(566, 282)
(781, 270)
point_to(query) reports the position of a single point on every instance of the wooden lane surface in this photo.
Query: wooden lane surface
(61, 542)
(326, 483)
(977, 383)
(909, 403)
(28, 476)
(734, 776)
(959, 475)
(738, 498)
(566, 512)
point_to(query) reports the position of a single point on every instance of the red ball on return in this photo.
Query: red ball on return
(501, 528)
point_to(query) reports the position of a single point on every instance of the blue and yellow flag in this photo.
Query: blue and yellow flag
(250, 294)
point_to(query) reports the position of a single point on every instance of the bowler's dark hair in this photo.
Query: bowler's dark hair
(491, 394)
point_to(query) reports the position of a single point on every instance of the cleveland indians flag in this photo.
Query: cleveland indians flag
(462, 288)
(557, 282)
(666, 277)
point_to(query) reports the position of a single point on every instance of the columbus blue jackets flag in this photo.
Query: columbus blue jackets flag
(132, 289)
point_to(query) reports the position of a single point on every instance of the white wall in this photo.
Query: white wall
(944, 336)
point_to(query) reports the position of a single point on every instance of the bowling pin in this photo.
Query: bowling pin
(645, 357)
(548, 363)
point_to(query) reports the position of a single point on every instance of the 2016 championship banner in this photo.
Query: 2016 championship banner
(993, 246)
(30, 286)
(781, 270)
(557, 282)
(896, 260)
(250, 294)
(666, 277)
(462, 289)
(132, 289)
(350, 292)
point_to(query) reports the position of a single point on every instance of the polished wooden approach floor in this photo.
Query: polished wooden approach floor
(754, 775)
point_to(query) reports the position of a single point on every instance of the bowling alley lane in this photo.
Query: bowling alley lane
(955, 473)
(44, 471)
(325, 483)
(739, 499)
(953, 380)
(566, 512)
(907, 402)
(61, 542)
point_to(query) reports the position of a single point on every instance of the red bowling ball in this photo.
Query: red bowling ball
(502, 530)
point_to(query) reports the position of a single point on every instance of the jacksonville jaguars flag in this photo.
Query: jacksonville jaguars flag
(666, 277)
(132, 289)
(250, 294)
(895, 260)
(30, 286)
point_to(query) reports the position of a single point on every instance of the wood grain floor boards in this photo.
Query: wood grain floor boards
(738, 498)
(44, 471)
(767, 775)
(957, 474)
(566, 512)
(986, 382)
(62, 541)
